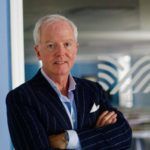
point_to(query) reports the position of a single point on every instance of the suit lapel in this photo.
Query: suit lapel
(50, 98)
(82, 104)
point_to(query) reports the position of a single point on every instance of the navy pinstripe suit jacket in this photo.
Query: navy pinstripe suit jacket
(34, 112)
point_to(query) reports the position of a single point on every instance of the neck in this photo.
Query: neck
(62, 84)
(61, 81)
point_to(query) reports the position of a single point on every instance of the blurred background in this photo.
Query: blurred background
(114, 50)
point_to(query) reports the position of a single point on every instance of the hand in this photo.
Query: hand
(106, 118)
(58, 141)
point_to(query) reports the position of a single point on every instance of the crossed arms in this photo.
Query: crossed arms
(58, 141)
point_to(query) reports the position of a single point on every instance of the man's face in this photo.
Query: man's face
(57, 48)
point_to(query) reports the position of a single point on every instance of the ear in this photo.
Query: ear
(37, 51)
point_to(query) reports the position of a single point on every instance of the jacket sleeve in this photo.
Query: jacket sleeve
(116, 136)
(26, 131)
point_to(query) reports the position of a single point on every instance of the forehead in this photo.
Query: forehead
(56, 26)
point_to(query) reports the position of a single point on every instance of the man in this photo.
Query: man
(57, 111)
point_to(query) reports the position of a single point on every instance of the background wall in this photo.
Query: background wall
(5, 71)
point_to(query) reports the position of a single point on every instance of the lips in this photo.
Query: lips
(60, 62)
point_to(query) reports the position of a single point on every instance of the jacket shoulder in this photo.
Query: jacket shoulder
(18, 94)
(94, 86)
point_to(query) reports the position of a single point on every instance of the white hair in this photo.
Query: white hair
(51, 19)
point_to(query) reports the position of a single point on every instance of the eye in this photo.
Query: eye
(50, 46)
(68, 44)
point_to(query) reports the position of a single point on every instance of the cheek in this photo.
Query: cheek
(74, 54)
(72, 58)
(46, 58)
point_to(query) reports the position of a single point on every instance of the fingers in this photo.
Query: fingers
(106, 118)
(101, 117)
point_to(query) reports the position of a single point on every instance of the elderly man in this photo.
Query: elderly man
(55, 110)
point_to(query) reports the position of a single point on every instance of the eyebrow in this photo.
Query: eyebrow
(71, 40)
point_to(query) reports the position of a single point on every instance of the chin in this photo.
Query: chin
(63, 72)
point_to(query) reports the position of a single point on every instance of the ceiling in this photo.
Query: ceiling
(105, 26)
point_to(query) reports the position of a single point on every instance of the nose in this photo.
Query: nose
(60, 49)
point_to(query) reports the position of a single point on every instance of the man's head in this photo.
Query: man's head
(56, 44)
(51, 19)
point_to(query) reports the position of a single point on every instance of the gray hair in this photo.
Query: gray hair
(51, 19)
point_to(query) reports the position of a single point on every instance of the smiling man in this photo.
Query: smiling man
(55, 110)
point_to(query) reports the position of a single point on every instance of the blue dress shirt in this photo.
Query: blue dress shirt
(70, 107)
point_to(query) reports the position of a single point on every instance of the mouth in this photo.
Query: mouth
(60, 62)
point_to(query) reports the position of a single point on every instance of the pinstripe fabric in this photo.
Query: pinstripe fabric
(34, 112)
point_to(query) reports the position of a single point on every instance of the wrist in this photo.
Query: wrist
(66, 137)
